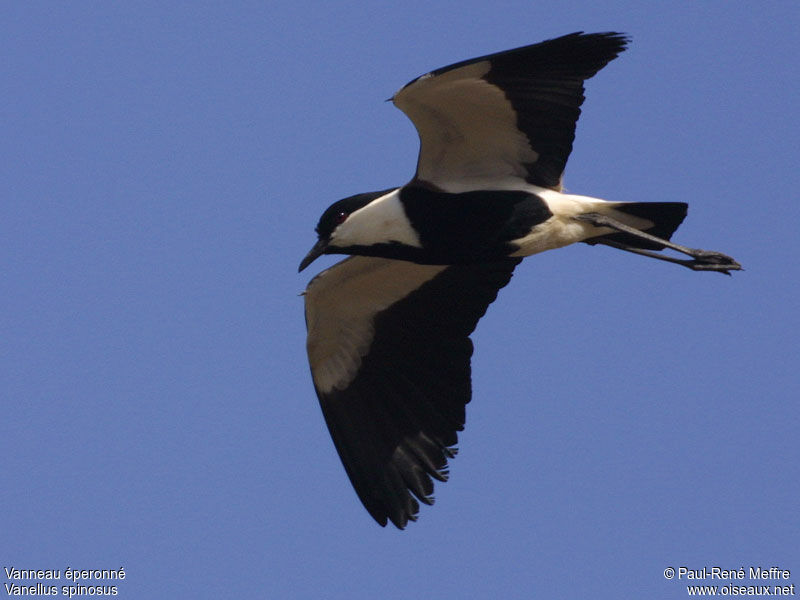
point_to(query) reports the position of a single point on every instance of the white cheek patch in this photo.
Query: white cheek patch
(341, 306)
(381, 221)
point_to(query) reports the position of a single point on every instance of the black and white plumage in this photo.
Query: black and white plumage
(388, 328)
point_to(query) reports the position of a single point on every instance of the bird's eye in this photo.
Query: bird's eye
(341, 217)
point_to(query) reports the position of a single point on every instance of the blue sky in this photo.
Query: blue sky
(163, 167)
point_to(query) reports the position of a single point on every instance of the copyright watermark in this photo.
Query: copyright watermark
(750, 581)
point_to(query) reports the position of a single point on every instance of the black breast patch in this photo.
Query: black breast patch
(471, 226)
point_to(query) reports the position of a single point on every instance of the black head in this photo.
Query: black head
(336, 214)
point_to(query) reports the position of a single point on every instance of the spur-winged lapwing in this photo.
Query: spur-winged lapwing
(388, 328)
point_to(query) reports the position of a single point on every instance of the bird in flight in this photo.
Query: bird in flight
(388, 328)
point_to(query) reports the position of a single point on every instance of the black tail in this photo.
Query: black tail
(666, 216)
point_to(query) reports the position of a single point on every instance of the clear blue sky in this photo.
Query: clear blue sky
(163, 166)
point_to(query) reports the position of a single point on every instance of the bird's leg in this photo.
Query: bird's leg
(702, 260)
(695, 264)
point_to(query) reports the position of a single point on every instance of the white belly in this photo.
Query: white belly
(556, 232)
(562, 229)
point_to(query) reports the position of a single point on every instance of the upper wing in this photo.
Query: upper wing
(389, 349)
(509, 115)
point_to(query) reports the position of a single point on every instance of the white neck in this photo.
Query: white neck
(381, 221)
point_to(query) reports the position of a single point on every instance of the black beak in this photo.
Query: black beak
(317, 251)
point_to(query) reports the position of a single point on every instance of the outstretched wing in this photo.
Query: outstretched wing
(504, 117)
(389, 349)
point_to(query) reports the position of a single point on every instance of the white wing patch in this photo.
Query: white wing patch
(468, 130)
(341, 305)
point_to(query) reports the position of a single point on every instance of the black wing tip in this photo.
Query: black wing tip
(398, 515)
(400, 506)
(618, 36)
(395, 442)
(612, 42)
(591, 50)
(613, 38)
